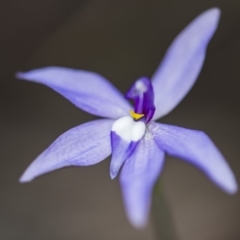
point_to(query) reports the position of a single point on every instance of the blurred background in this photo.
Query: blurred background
(122, 40)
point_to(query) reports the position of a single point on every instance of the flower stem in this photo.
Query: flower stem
(162, 217)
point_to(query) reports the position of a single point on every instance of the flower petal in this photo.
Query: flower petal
(197, 148)
(84, 145)
(87, 90)
(125, 135)
(138, 176)
(183, 61)
(121, 150)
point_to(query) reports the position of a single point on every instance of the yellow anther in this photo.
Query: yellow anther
(136, 116)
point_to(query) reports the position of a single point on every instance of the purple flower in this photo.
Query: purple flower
(137, 143)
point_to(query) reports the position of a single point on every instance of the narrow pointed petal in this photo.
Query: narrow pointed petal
(121, 150)
(87, 90)
(183, 62)
(125, 135)
(84, 145)
(138, 176)
(196, 148)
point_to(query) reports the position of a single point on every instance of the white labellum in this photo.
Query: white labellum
(128, 129)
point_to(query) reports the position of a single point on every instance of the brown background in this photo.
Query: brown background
(122, 40)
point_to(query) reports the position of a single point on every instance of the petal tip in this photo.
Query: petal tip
(19, 75)
(215, 11)
(232, 188)
(138, 223)
(229, 183)
(28, 175)
(23, 76)
(25, 178)
(113, 175)
(212, 14)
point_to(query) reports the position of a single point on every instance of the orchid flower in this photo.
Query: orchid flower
(138, 144)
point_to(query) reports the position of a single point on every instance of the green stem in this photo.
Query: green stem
(162, 217)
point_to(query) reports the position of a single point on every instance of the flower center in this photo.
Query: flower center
(143, 96)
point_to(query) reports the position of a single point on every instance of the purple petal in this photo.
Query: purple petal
(183, 62)
(125, 135)
(84, 145)
(121, 150)
(138, 176)
(87, 90)
(196, 148)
